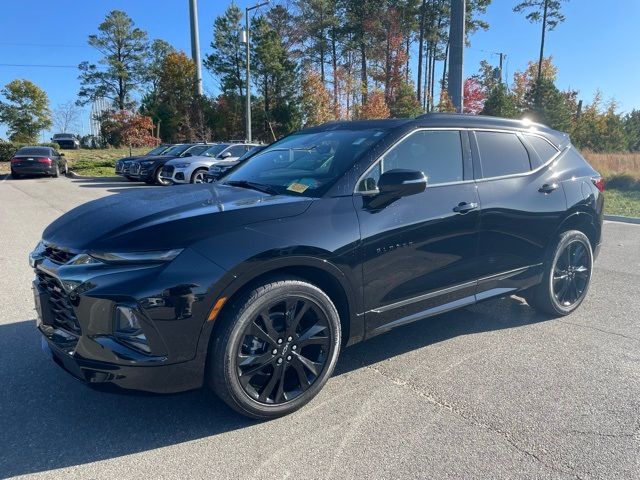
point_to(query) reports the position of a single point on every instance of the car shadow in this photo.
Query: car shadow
(48, 420)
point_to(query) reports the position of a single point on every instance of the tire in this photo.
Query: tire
(198, 175)
(562, 290)
(273, 385)
(15, 175)
(56, 172)
(157, 180)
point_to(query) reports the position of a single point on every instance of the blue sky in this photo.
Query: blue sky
(593, 49)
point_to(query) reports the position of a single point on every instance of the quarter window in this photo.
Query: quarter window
(543, 148)
(502, 153)
(436, 153)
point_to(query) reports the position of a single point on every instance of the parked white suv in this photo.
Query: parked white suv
(193, 169)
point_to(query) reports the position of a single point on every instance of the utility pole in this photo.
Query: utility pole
(456, 54)
(195, 43)
(247, 40)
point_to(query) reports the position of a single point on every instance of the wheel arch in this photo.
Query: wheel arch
(319, 272)
(583, 222)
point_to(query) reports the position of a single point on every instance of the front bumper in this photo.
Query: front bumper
(176, 175)
(76, 305)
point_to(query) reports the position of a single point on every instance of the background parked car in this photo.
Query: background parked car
(219, 168)
(148, 169)
(194, 168)
(66, 140)
(123, 165)
(38, 161)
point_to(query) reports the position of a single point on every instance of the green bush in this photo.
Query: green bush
(8, 149)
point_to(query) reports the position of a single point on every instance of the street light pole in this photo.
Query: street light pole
(247, 40)
(195, 43)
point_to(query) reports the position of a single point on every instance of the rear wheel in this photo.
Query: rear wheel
(276, 348)
(56, 171)
(15, 175)
(566, 278)
(198, 175)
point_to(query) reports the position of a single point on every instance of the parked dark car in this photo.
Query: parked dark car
(29, 161)
(218, 169)
(66, 140)
(330, 236)
(124, 164)
(148, 169)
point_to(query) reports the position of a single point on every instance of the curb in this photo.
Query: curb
(619, 218)
(72, 174)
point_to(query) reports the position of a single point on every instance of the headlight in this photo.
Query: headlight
(182, 165)
(158, 256)
(128, 329)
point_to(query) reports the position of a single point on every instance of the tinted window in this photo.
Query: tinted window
(198, 150)
(436, 153)
(35, 151)
(215, 150)
(543, 148)
(158, 150)
(502, 154)
(237, 150)
(306, 163)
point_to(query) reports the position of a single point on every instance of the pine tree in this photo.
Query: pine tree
(124, 48)
(500, 103)
(405, 104)
(227, 61)
(546, 104)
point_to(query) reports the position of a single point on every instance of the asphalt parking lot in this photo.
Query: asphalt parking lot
(492, 391)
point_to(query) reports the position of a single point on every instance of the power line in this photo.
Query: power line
(35, 65)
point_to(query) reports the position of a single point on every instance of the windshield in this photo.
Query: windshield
(197, 150)
(63, 135)
(305, 164)
(158, 150)
(215, 150)
(176, 150)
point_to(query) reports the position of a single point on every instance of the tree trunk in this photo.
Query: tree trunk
(363, 72)
(544, 28)
(423, 10)
(334, 65)
(444, 69)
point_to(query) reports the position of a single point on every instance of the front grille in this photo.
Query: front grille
(62, 311)
(126, 167)
(119, 167)
(58, 255)
(134, 169)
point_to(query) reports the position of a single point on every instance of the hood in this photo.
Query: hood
(164, 218)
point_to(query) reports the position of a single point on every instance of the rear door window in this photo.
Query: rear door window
(502, 153)
(543, 148)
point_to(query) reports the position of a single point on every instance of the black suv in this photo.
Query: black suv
(123, 165)
(327, 237)
(147, 169)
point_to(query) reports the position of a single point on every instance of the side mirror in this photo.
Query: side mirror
(395, 184)
(225, 155)
(401, 183)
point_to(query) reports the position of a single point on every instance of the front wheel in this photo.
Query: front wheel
(198, 175)
(276, 348)
(158, 180)
(566, 278)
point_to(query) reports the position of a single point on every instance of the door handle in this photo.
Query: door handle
(548, 187)
(464, 207)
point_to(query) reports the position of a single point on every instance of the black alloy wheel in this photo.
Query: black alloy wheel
(571, 273)
(566, 278)
(278, 346)
(284, 350)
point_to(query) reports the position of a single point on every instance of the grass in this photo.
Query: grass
(98, 163)
(622, 202)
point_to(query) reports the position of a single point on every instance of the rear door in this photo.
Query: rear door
(419, 252)
(521, 204)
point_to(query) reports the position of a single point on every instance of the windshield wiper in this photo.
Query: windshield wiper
(252, 185)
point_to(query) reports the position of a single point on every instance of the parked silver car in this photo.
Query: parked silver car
(193, 169)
